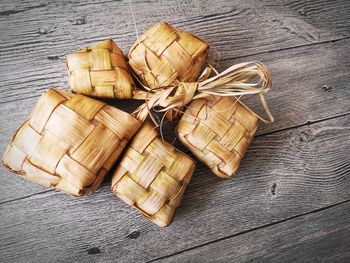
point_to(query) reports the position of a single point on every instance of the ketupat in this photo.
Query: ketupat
(100, 71)
(152, 176)
(165, 55)
(69, 142)
(218, 131)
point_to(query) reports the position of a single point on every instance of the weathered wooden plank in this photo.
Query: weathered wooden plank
(35, 36)
(307, 87)
(284, 174)
(316, 237)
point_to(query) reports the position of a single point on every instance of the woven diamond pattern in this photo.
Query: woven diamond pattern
(218, 131)
(69, 142)
(152, 176)
(100, 71)
(165, 55)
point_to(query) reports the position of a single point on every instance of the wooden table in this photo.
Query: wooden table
(291, 199)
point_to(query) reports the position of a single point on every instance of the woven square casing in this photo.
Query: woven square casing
(218, 131)
(100, 71)
(152, 176)
(69, 142)
(165, 55)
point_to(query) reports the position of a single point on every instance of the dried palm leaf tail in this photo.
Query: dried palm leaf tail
(101, 71)
(165, 55)
(69, 142)
(152, 176)
(218, 131)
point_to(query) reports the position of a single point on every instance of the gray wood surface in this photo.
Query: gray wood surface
(289, 201)
(322, 236)
(305, 84)
(36, 35)
(285, 174)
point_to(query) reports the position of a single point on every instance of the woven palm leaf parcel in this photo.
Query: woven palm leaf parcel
(100, 71)
(69, 142)
(218, 131)
(152, 176)
(165, 55)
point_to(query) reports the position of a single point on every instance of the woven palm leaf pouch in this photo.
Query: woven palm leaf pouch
(165, 55)
(152, 176)
(69, 142)
(100, 71)
(218, 131)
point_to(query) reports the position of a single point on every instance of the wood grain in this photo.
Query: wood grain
(284, 174)
(290, 201)
(36, 35)
(323, 236)
(307, 88)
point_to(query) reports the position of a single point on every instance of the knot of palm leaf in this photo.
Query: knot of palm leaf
(238, 80)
